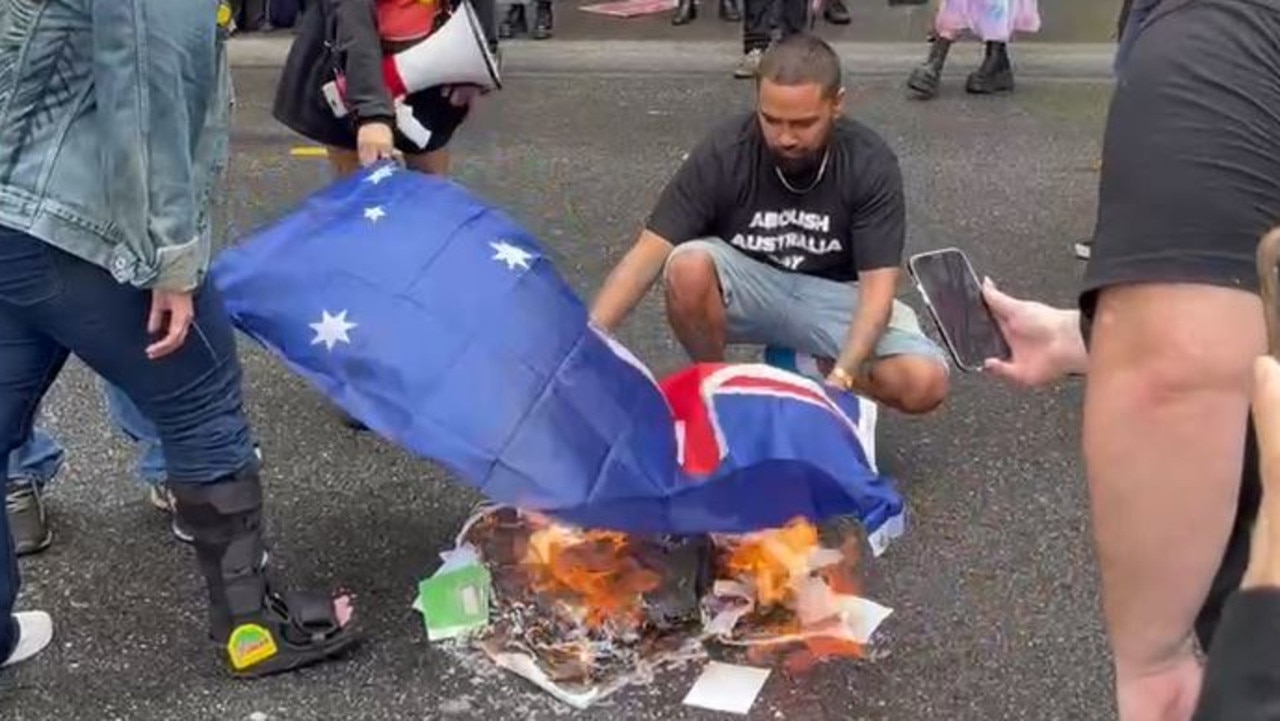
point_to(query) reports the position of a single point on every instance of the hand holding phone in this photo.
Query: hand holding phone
(954, 298)
(1046, 341)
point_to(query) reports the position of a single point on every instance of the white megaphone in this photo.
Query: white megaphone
(456, 54)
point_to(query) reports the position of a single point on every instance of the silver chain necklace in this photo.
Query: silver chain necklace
(822, 170)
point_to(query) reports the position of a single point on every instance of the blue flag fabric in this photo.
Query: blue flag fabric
(439, 322)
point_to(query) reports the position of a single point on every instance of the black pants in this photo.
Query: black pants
(250, 15)
(1236, 558)
(760, 17)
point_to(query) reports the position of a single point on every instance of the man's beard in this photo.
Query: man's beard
(801, 167)
(805, 164)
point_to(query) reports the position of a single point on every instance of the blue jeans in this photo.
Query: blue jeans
(53, 304)
(761, 305)
(38, 460)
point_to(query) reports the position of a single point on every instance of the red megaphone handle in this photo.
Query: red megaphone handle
(391, 76)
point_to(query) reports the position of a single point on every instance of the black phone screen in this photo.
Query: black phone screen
(955, 300)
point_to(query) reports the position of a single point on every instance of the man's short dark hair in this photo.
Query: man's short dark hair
(802, 59)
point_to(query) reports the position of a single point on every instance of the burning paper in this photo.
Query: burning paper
(582, 613)
(782, 590)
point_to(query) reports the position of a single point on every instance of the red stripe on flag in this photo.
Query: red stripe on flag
(683, 392)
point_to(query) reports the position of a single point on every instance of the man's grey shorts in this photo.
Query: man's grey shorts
(771, 307)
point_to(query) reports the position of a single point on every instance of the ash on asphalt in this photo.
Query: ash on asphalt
(993, 585)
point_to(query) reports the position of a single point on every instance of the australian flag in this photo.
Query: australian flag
(436, 320)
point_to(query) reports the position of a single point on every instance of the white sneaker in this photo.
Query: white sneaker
(35, 631)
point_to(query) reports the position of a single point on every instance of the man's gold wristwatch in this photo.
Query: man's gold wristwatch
(842, 378)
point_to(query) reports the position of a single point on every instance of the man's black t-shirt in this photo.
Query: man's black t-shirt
(852, 220)
(1191, 182)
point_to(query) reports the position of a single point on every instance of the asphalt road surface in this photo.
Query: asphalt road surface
(1078, 21)
(993, 586)
(1090, 21)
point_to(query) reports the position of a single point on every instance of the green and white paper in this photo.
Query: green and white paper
(455, 599)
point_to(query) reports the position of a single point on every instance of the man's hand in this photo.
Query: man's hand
(172, 314)
(1046, 341)
(844, 380)
(1264, 551)
(375, 141)
(629, 280)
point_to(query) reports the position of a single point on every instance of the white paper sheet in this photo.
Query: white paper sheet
(727, 687)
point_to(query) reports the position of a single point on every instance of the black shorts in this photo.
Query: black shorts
(301, 106)
(1191, 180)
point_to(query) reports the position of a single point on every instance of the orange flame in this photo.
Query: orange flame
(779, 565)
(593, 569)
(793, 579)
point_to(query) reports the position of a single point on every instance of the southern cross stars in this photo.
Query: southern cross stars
(511, 255)
(375, 213)
(380, 174)
(332, 329)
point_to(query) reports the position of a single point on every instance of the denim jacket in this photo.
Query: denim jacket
(114, 118)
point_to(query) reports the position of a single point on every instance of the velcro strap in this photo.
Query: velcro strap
(310, 610)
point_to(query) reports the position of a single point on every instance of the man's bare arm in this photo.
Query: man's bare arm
(628, 282)
(876, 290)
(1170, 377)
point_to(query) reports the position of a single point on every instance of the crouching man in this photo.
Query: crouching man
(785, 227)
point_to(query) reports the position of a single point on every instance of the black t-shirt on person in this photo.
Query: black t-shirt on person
(853, 220)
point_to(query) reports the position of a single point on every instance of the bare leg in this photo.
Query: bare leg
(1169, 694)
(343, 161)
(1165, 415)
(695, 307)
(435, 162)
(910, 384)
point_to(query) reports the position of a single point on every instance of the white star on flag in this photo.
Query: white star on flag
(511, 255)
(380, 174)
(332, 329)
(375, 213)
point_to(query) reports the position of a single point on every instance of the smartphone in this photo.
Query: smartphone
(954, 298)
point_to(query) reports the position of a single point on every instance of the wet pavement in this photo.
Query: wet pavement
(993, 586)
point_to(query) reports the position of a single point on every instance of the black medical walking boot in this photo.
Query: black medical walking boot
(260, 631)
(836, 13)
(730, 11)
(995, 75)
(686, 12)
(925, 79)
(543, 21)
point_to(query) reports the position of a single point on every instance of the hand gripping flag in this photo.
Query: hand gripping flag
(437, 321)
